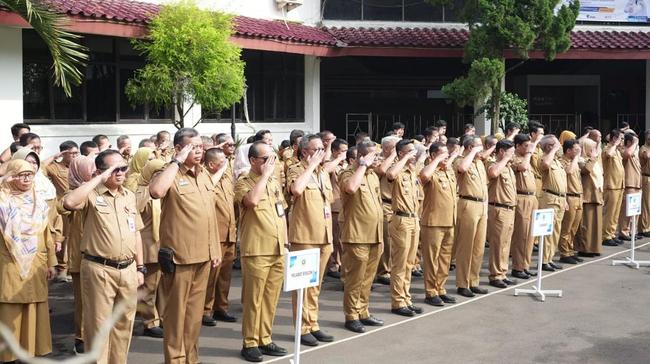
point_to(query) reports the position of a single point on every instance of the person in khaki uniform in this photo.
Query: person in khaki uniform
(536, 133)
(152, 300)
(338, 164)
(27, 261)
(471, 227)
(589, 239)
(521, 248)
(163, 150)
(614, 184)
(188, 227)
(644, 159)
(361, 236)
(404, 227)
(57, 171)
(310, 225)
(573, 215)
(632, 168)
(216, 299)
(554, 187)
(437, 224)
(388, 157)
(502, 197)
(263, 244)
(111, 244)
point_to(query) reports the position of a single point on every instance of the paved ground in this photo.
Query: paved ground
(601, 318)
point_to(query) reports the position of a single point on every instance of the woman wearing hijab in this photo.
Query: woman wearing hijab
(81, 170)
(566, 135)
(136, 165)
(590, 234)
(27, 261)
(151, 301)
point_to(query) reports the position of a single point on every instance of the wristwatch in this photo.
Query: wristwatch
(142, 269)
(363, 163)
(176, 162)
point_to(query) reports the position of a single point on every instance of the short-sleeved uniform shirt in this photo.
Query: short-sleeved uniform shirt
(225, 204)
(574, 179)
(439, 204)
(58, 174)
(632, 167)
(644, 162)
(363, 223)
(554, 178)
(613, 171)
(502, 189)
(525, 179)
(472, 183)
(406, 190)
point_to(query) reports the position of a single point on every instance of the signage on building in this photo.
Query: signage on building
(627, 11)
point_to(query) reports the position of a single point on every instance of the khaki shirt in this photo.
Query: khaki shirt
(262, 231)
(165, 155)
(525, 179)
(406, 191)
(310, 221)
(146, 206)
(502, 189)
(73, 240)
(225, 205)
(574, 180)
(58, 174)
(613, 171)
(554, 177)
(188, 221)
(110, 223)
(591, 193)
(472, 183)
(439, 204)
(363, 222)
(336, 189)
(645, 162)
(632, 167)
(290, 162)
(386, 188)
(535, 161)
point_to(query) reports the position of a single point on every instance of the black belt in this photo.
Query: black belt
(555, 193)
(574, 194)
(526, 193)
(119, 264)
(632, 187)
(645, 175)
(405, 214)
(472, 198)
(386, 200)
(503, 206)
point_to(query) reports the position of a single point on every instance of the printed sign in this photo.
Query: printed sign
(627, 11)
(633, 204)
(301, 269)
(543, 222)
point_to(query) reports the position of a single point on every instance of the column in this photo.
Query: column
(11, 88)
(647, 94)
(312, 94)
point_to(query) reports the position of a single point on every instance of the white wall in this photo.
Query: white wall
(11, 86)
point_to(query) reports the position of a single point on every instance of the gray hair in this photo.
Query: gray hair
(221, 138)
(207, 140)
(363, 148)
(547, 140)
(304, 142)
(183, 133)
(389, 139)
(121, 139)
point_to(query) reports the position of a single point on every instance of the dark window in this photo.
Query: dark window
(390, 10)
(383, 10)
(418, 10)
(100, 87)
(342, 9)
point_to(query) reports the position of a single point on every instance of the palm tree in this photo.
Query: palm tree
(67, 55)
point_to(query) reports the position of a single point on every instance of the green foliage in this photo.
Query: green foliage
(190, 59)
(513, 109)
(67, 54)
(500, 26)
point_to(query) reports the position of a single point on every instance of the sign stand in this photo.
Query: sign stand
(301, 270)
(542, 226)
(633, 209)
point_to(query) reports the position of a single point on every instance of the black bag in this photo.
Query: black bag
(166, 260)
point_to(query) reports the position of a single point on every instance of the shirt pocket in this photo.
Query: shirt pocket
(103, 209)
(312, 191)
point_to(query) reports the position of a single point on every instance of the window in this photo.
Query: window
(390, 10)
(100, 98)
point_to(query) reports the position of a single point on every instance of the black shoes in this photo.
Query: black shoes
(478, 290)
(252, 354)
(383, 280)
(609, 242)
(568, 260)
(519, 274)
(530, 273)
(587, 255)
(153, 332)
(509, 282)
(417, 273)
(273, 350)
(355, 326)
(321, 336)
(434, 301)
(223, 316)
(624, 237)
(547, 268)
(308, 339)
(577, 258)
(498, 283)
(447, 299)
(403, 311)
(465, 292)
(79, 346)
(334, 274)
(555, 266)
(415, 309)
(372, 321)
(208, 321)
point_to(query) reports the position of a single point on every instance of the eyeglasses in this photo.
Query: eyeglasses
(318, 149)
(263, 158)
(229, 145)
(26, 176)
(122, 169)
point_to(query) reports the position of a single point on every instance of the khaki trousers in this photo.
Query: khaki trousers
(557, 203)
(311, 294)
(644, 220)
(359, 264)
(78, 306)
(216, 297)
(185, 295)
(570, 225)
(152, 301)
(383, 269)
(437, 243)
(471, 230)
(404, 235)
(590, 235)
(336, 258)
(624, 222)
(30, 325)
(521, 247)
(612, 209)
(102, 289)
(499, 234)
(262, 278)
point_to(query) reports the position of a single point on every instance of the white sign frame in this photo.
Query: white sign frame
(302, 269)
(543, 220)
(633, 204)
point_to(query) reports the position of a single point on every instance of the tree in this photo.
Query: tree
(512, 109)
(500, 26)
(190, 60)
(67, 55)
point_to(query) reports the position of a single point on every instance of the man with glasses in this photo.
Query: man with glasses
(188, 228)
(112, 266)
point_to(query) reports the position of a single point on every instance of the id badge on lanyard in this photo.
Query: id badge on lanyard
(279, 208)
(327, 210)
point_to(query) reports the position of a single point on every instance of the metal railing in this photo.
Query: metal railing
(556, 123)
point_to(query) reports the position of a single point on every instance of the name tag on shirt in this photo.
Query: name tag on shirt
(183, 183)
(99, 201)
(131, 221)
(279, 208)
(327, 212)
